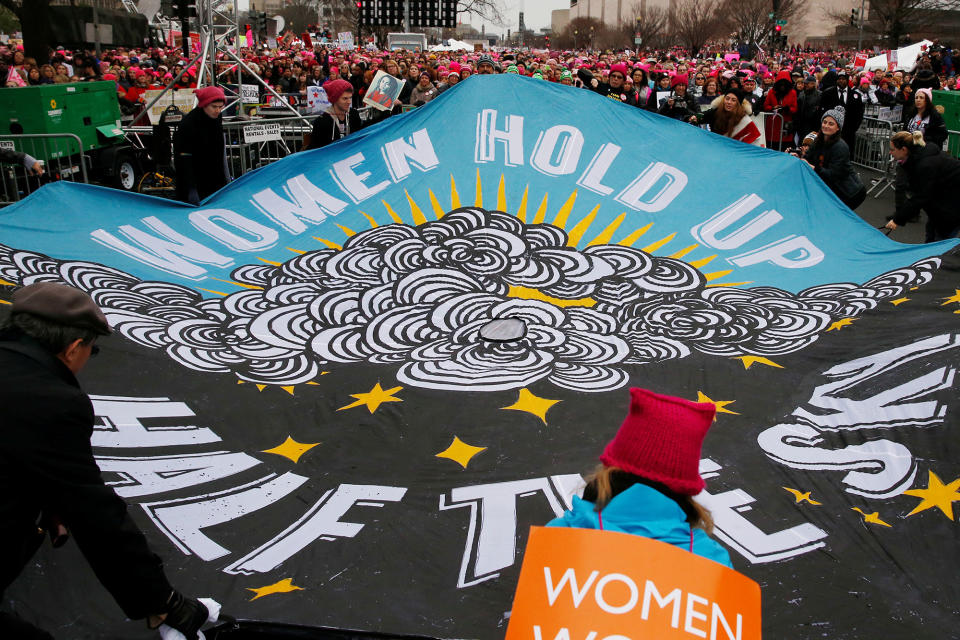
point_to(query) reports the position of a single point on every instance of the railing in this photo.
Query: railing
(775, 130)
(871, 151)
(60, 153)
(953, 143)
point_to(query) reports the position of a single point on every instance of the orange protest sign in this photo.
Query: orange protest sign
(584, 584)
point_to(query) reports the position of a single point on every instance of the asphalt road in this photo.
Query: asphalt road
(876, 209)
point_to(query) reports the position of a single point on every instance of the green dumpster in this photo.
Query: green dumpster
(948, 103)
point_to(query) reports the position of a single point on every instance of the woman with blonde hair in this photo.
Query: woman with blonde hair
(931, 178)
(729, 115)
(648, 476)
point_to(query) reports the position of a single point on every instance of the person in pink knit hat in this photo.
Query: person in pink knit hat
(648, 476)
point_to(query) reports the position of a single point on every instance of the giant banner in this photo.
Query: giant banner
(343, 388)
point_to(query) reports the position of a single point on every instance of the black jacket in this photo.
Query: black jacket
(199, 155)
(325, 130)
(46, 464)
(933, 177)
(832, 164)
(853, 109)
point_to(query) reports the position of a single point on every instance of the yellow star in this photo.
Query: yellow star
(460, 452)
(374, 398)
(292, 449)
(899, 301)
(721, 405)
(936, 494)
(800, 497)
(748, 361)
(840, 324)
(954, 298)
(284, 586)
(872, 518)
(532, 404)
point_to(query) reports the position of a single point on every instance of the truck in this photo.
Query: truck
(48, 114)
(408, 41)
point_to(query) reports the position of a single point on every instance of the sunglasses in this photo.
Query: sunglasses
(617, 75)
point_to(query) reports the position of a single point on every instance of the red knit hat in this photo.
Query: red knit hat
(679, 78)
(335, 89)
(207, 95)
(660, 440)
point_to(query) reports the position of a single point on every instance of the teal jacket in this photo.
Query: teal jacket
(644, 511)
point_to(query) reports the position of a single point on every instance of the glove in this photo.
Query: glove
(193, 197)
(186, 615)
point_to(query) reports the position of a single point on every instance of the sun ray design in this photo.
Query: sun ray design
(219, 293)
(522, 210)
(454, 196)
(633, 237)
(541, 213)
(418, 217)
(9, 284)
(297, 251)
(573, 238)
(501, 196)
(329, 245)
(276, 264)
(714, 275)
(702, 262)
(347, 230)
(284, 586)
(528, 293)
(478, 199)
(435, 205)
(609, 230)
(683, 252)
(650, 248)
(5, 302)
(373, 223)
(239, 284)
(393, 214)
(561, 219)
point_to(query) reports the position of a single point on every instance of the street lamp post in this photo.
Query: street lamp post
(575, 32)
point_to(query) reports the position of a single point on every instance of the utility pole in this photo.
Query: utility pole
(860, 30)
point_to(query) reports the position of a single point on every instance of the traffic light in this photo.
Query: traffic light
(778, 29)
(183, 9)
(854, 14)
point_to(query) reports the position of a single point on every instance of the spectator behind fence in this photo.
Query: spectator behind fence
(200, 155)
(830, 158)
(648, 476)
(927, 119)
(339, 120)
(729, 116)
(841, 95)
(932, 177)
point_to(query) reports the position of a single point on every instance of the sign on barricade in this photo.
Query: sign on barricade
(182, 99)
(890, 114)
(249, 93)
(584, 583)
(261, 132)
(317, 100)
(6, 145)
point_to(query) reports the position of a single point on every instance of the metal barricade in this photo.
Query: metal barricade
(871, 151)
(252, 144)
(953, 143)
(62, 157)
(774, 130)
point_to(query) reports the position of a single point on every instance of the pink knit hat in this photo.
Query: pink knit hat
(660, 440)
(207, 95)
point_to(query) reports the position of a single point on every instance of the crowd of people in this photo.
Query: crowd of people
(810, 103)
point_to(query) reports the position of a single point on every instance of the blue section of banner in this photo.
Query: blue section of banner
(603, 171)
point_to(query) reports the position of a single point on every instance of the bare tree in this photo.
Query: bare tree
(297, 14)
(749, 20)
(652, 23)
(489, 10)
(895, 20)
(695, 22)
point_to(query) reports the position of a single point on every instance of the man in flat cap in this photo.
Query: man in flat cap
(48, 476)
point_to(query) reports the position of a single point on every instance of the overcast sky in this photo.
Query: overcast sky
(536, 14)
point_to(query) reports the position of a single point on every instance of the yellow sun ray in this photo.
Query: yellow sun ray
(522, 211)
(393, 214)
(219, 293)
(541, 213)
(702, 262)
(454, 196)
(347, 231)
(276, 264)
(5, 302)
(633, 237)
(501, 195)
(564, 213)
(437, 209)
(607, 233)
(650, 248)
(684, 251)
(7, 283)
(528, 293)
(577, 232)
(329, 245)
(713, 275)
(478, 200)
(418, 217)
(239, 284)
(295, 250)
(373, 223)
